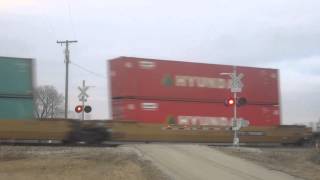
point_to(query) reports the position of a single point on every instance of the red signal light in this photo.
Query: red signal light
(78, 109)
(229, 102)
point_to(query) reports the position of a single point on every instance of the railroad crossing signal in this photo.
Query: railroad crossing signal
(78, 108)
(236, 84)
(83, 94)
(236, 87)
(87, 109)
(83, 98)
(229, 102)
(241, 101)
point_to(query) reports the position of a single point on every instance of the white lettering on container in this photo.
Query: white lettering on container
(147, 64)
(202, 82)
(203, 121)
(149, 106)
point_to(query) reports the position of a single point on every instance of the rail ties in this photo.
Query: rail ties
(57, 143)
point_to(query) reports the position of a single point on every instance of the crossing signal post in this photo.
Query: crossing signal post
(236, 87)
(83, 98)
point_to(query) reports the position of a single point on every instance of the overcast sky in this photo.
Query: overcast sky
(283, 34)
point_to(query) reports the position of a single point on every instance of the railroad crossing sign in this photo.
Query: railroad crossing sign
(83, 98)
(83, 95)
(236, 84)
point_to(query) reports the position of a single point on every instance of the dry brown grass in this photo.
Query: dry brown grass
(19, 162)
(299, 162)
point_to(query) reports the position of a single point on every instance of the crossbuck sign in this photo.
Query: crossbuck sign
(236, 84)
(83, 92)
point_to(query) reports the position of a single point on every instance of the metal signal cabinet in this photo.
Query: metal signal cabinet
(16, 88)
(174, 80)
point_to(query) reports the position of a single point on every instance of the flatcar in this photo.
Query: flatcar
(144, 132)
(72, 131)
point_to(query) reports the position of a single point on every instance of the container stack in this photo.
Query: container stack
(184, 93)
(16, 88)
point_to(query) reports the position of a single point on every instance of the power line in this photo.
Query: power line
(46, 20)
(88, 71)
(71, 19)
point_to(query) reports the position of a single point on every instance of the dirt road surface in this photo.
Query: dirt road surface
(202, 162)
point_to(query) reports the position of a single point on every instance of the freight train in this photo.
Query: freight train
(97, 132)
(162, 101)
(162, 91)
(16, 89)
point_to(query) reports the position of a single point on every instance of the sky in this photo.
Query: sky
(282, 34)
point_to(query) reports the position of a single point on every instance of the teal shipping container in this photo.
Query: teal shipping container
(16, 88)
(16, 76)
(16, 108)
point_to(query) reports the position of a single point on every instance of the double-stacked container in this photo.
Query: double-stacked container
(184, 93)
(16, 88)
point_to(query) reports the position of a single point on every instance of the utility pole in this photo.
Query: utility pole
(67, 61)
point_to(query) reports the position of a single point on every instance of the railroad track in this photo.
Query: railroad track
(119, 143)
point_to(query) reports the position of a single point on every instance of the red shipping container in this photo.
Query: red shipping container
(173, 80)
(192, 113)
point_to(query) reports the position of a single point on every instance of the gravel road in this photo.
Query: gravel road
(202, 162)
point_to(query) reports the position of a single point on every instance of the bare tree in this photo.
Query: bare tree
(48, 102)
